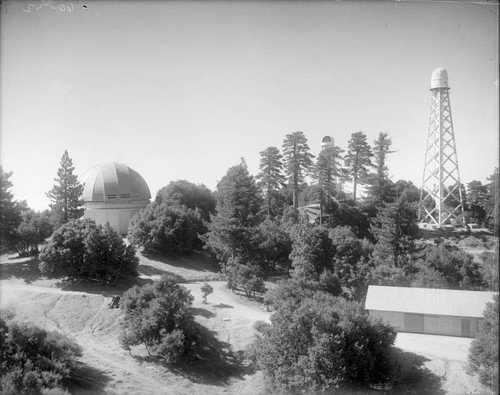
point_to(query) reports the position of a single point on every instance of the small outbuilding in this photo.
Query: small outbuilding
(113, 193)
(427, 310)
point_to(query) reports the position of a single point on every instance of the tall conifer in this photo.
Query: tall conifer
(298, 161)
(326, 173)
(65, 195)
(380, 189)
(270, 177)
(358, 158)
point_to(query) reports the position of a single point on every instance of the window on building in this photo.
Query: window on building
(111, 196)
(125, 196)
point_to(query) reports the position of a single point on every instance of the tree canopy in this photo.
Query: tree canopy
(158, 316)
(81, 248)
(483, 352)
(358, 158)
(298, 161)
(237, 213)
(33, 360)
(193, 196)
(380, 189)
(10, 213)
(167, 227)
(320, 343)
(270, 178)
(66, 194)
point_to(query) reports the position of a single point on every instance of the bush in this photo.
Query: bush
(206, 290)
(167, 228)
(158, 316)
(312, 252)
(191, 195)
(455, 267)
(33, 230)
(33, 360)
(483, 352)
(245, 277)
(81, 248)
(320, 343)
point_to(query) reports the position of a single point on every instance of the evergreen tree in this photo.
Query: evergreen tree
(477, 200)
(395, 230)
(10, 213)
(66, 193)
(270, 177)
(358, 159)
(483, 352)
(298, 161)
(237, 208)
(380, 183)
(326, 173)
(492, 205)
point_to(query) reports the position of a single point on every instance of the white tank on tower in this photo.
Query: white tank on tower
(439, 79)
(441, 200)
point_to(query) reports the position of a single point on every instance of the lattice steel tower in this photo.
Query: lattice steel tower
(441, 196)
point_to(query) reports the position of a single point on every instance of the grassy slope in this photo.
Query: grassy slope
(81, 311)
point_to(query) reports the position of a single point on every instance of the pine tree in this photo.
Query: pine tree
(327, 171)
(395, 230)
(358, 159)
(380, 182)
(10, 213)
(270, 177)
(66, 193)
(298, 161)
(237, 208)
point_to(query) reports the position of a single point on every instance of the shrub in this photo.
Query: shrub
(206, 290)
(167, 228)
(33, 360)
(483, 352)
(81, 248)
(158, 316)
(33, 230)
(320, 343)
(193, 196)
(245, 277)
(456, 267)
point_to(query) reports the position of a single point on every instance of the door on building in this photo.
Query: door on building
(414, 323)
(466, 327)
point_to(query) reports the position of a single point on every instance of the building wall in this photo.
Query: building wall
(118, 219)
(430, 324)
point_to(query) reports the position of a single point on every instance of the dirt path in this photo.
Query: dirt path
(86, 318)
(447, 358)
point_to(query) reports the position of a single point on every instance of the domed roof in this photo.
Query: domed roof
(114, 183)
(439, 78)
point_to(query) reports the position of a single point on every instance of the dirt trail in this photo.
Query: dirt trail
(86, 318)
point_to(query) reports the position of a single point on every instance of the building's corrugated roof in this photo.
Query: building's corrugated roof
(428, 301)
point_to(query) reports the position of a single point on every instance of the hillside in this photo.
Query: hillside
(82, 312)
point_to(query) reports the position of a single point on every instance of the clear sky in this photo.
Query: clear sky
(183, 90)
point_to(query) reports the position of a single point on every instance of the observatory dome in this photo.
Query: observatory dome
(113, 193)
(114, 182)
(439, 79)
(327, 142)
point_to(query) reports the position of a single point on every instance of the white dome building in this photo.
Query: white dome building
(113, 193)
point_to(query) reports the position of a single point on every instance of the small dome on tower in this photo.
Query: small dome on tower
(326, 142)
(439, 79)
